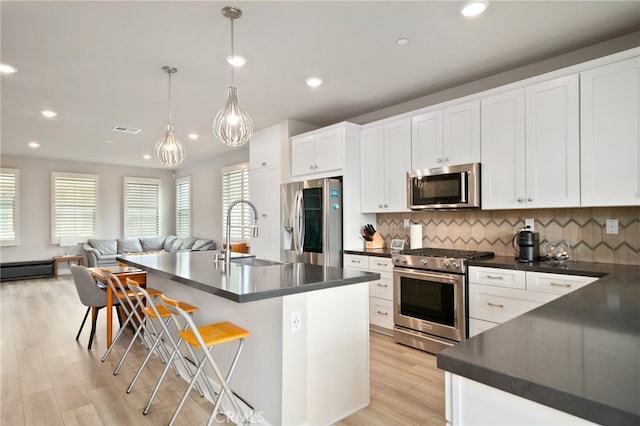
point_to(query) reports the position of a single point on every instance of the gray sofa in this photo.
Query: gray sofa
(103, 252)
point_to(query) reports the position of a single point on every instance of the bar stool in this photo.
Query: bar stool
(132, 308)
(206, 338)
(164, 318)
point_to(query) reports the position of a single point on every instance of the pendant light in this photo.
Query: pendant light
(169, 150)
(232, 124)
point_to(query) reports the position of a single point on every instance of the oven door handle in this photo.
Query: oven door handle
(418, 273)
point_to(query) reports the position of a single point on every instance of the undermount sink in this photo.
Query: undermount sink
(252, 261)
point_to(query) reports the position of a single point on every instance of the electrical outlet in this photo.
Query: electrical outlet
(612, 226)
(530, 224)
(296, 321)
(406, 223)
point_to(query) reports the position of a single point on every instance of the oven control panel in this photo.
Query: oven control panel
(431, 263)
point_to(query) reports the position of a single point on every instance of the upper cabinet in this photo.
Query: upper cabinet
(610, 149)
(264, 148)
(317, 152)
(385, 151)
(531, 146)
(446, 136)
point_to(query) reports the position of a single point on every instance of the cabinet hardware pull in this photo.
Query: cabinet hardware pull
(495, 305)
(264, 163)
(560, 285)
(381, 264)
(355, 261)
(446, 160)
(529, 199)
(381, 285)
(383, 313)
(439, 160)
(311, 167)
(519, 200)
(495, 277)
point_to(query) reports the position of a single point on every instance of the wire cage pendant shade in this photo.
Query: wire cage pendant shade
(169, 150)
(232, 125)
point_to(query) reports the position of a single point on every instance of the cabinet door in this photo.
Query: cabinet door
(372, 170)
(355, 261)
(496, 304)
(503, 151)
(265, 194)
(610, 139)
(461, 134)
(329, 150)
(303, 156)
(397, 164)
(264, 148)
(426, 140)
(553, 143)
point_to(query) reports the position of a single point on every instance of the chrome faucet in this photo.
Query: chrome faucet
(227, 250)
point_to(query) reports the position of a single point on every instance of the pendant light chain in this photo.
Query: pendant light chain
(232, 55)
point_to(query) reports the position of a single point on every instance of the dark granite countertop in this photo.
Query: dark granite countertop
(383, 252)
(244, 283)
(579, 354)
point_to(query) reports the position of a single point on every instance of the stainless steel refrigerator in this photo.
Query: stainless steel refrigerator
(312, 222)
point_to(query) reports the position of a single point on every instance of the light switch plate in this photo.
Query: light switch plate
(612, 226)
(530, 224)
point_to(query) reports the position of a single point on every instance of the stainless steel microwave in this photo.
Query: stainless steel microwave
(453, 187)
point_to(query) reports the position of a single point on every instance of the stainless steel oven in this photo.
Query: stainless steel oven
(430, 297)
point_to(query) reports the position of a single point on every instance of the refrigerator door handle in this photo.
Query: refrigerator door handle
(298, 223)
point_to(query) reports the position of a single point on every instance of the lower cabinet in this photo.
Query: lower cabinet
(380, 291)
(497, 295)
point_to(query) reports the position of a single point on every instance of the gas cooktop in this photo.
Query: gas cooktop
(438, 259)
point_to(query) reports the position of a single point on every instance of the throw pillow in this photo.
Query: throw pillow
(152, 243)
(104, 246)
(201, 244)
(129, 245)
(187, 243)
(168, 242)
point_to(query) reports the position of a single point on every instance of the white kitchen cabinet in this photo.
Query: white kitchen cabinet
(531, 145)
(610, 134)
(497, 295)
(446, 137)
(380, 291)
(264, 148)
(385, 159)
(265, 194)
(317, 152)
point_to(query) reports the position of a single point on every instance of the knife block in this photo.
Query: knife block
(377, 243)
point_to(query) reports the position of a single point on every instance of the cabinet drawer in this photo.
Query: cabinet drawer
(497, 277)
(380, 264)
(477, 326)
(355, 261)
(556, 283)
(381, 312)
(382, 288)
(501, 304)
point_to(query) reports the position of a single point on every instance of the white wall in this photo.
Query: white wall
(206, 201)
(35, 202)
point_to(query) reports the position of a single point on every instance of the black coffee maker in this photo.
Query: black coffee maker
(528, 245)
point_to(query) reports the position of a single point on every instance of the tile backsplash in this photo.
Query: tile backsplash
(583, 229)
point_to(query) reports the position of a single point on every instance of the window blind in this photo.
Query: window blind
(183, 207)
(75, 205)
(9, 179)
(235, 186)
(141, 207)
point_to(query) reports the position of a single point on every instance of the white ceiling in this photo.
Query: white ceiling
(98, 63)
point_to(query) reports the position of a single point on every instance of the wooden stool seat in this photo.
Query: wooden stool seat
(164, 312)
(215, 334)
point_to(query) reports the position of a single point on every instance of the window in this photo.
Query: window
(9, 203)
(235, 186)
(183, 207)
(74, 205)
(141, 207)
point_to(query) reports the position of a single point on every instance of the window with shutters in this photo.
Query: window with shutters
(141, 207)
(9, 204)
(74, 205)
(235, 186)
(183, 207)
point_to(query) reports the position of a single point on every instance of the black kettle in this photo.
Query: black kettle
(526, 245)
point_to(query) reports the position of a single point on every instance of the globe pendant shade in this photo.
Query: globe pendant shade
(169, 150)
(232, 124)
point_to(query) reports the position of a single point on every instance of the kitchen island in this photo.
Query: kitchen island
(575, 360)
(314, 370)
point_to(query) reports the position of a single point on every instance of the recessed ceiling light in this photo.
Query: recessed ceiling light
(34, 145)
(402, 41)
(48, 113)
(146, 157)
(7, 69)
(193, 136)
(314, 82)
(236, 60)
(109, 141)
(474, 8)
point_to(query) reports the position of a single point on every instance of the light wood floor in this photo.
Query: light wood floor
(47, 378)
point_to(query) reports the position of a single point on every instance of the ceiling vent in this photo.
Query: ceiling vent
(127, 130)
